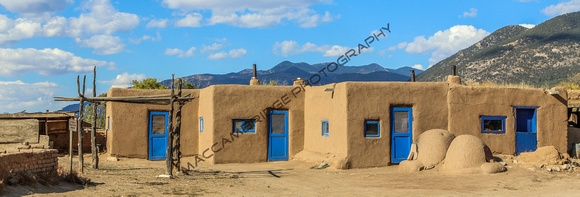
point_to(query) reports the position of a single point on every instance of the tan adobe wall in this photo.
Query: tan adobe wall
(129, 123)
(35, 161)
(321, 105)
(468, 103)
(248, 102)
(206, 110)
(373, 101)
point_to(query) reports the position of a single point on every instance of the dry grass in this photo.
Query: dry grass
(501, 85)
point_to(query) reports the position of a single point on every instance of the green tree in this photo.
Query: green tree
(148, 83)
(185, 85)
(101, 113)
(188, 85)
(572, 83)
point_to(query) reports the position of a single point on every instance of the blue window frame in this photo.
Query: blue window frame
(325, 128)
(372, 128)
(493, 124)
(244, 125)
(200, 124)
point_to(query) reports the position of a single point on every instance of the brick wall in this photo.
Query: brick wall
(33, 160)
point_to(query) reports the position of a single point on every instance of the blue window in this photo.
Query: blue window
(372, 128)
(200, 124)
(493, 124)
(244, 125)
(325, 128)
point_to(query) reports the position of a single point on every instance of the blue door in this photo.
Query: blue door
(158, 135)
(401, 133)
(278, 136)
(526, 138)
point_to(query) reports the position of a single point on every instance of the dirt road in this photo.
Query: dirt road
(137, 177)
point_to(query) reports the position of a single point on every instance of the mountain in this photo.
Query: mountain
(542, 55)
(285, 72)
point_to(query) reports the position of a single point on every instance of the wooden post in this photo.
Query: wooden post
(80, 126)
(169, 158)
(72, 133)
(177, 130)
(94, 150)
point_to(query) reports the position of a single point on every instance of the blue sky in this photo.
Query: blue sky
(45, 44)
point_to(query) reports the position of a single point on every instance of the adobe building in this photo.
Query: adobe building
(348, 124)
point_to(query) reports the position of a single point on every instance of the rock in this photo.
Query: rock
(490, 168)
(322, 166)
(564, 156)
(112, 159)
(515, 161)
(570, 169)
(410, 166)
(566, 167)
(429, 167)
(542, 166)
(15, 179)
(557, 169)
(413, 154)
(549, 169)
(503, 163)
(543, 155)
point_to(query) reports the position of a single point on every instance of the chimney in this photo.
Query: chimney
(412, 75)
(454, 79)
(453, 69)
(254, 80)
(299, 82)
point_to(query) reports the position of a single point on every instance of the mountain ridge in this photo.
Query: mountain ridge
(542, 56)
(285, 72)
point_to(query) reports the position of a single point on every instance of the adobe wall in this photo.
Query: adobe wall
(468, 103)
(206, 110)
(249, 102)
(374, 100)
(321, 105)
(35, 161)
(129, 123)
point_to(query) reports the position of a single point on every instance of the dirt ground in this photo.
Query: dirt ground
(137, 177)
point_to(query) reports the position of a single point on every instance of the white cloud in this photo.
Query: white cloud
(255, 13)
(12, 31)
(418, 66)
(99, 17)
(102, 18)
(124, 80)
(191, 20)
(562, 8)
(472, 13)
(335, 51)
(159, 23)
(180, 53)
(220, 44)
(188, 53)
(445, 43)
(47, 62)
(17, 96)
(529, 26)
(35, 8)
(146, 38)
(173, 51)
(401, 45)
(234, 53)
(103, 44)
(290, 47)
